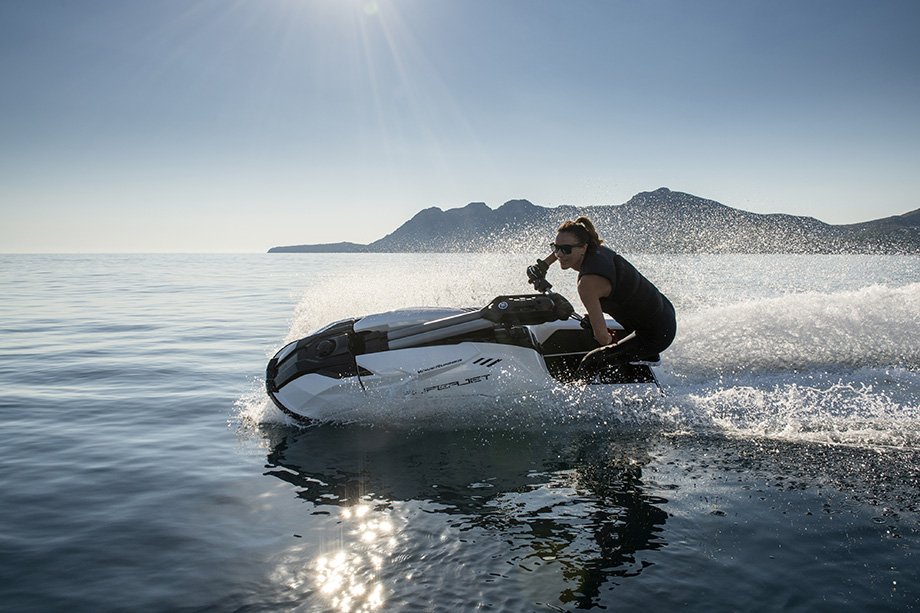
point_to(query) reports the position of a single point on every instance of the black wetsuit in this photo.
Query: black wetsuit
(636, 304)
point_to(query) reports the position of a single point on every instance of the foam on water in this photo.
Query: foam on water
(828, 367)
(866, 406)
(834, 366)
(874, 326)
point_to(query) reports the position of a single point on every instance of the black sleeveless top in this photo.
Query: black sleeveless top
(633, 301)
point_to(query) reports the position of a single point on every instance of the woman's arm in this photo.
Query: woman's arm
(536, 273)
(591, 288)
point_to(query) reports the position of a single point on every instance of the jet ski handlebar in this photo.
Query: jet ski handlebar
(527, 309)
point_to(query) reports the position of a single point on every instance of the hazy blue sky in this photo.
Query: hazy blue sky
(222, 125)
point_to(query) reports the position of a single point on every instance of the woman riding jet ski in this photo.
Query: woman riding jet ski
(514, 346)
(607, 283)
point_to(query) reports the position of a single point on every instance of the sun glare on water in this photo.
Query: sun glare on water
(349, 578)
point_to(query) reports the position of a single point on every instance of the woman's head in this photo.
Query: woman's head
(573, 240)
(583, 231)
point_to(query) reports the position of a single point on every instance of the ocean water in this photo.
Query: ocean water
(144, 469)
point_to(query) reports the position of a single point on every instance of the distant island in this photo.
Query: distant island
(661, 221)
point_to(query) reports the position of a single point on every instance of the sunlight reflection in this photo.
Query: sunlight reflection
(350, 578)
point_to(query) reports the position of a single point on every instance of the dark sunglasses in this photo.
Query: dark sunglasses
(564, 249)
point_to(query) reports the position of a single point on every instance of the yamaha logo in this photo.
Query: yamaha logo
(502, 305)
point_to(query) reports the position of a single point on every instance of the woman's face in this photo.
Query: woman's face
(577, 254)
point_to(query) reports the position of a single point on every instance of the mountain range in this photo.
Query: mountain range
(661, 221)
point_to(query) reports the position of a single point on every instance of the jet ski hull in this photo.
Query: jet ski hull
(431, 355)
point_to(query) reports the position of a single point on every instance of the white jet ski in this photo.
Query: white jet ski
(514, 346)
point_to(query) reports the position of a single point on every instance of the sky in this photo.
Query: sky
(239, 125)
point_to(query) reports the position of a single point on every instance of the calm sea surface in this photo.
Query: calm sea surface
(142, 467)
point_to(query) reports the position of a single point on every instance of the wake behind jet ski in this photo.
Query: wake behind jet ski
(513, 346)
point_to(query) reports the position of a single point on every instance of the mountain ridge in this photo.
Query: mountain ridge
(660, 221)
